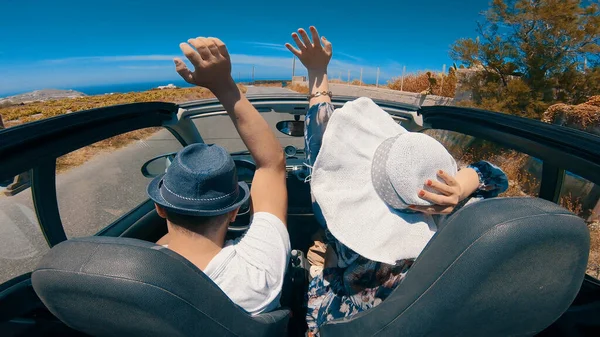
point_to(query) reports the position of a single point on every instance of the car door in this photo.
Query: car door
(542, 160)
(65, 176)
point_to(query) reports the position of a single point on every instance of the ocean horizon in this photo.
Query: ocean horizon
(102, 89)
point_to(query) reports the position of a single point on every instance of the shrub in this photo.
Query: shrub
(426, 83)
(298, 88)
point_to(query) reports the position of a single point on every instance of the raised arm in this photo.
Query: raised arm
(212, 69)
(315, 57)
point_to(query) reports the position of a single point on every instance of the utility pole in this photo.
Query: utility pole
(239, 73)
(293, 67)
(252, 74)
(402, 80)
(442, 85)
(361, 69)
(377, 80)
(348, 76)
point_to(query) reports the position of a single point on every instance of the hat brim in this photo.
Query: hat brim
(342, 185)
(154, 194)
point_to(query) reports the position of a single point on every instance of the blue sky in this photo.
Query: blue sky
(64, 44)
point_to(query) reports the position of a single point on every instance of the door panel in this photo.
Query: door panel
(29, 221)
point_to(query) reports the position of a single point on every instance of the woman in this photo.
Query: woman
(374, 190)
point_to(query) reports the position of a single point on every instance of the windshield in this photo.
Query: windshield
(219, 130)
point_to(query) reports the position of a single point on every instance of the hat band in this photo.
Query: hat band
(208, 204)
(381, 181)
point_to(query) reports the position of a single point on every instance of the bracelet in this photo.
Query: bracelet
(320, 93)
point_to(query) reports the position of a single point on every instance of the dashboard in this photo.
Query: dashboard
(299, 201)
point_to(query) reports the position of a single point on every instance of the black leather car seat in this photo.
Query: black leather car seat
(499, 267)
(127, 287)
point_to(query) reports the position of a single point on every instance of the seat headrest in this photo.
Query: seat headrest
(118, 286)
(498, 267)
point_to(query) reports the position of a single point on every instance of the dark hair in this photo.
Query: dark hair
(197, 224)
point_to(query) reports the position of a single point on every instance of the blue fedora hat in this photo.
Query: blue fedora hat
(201, 180)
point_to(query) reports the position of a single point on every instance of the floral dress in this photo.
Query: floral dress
(356, 283)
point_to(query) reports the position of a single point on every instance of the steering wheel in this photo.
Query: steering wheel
(245, 171)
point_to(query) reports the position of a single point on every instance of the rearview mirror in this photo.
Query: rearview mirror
(291, 128)
(157, 165)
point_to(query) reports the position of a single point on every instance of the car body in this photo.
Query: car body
(30, 152)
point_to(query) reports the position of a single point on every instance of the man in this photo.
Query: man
(199, 195)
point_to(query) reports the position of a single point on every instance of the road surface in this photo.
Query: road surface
(96, 193)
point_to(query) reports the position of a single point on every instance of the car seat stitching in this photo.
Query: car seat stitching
(89, 258)
(216, 210)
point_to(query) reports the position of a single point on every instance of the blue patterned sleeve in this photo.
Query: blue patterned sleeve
(492, 180)
(315, 123)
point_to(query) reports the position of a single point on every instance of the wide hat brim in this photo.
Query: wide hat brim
(154, 194)
(342, 185)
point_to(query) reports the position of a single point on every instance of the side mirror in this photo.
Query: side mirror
(291, 128)
(157, 165)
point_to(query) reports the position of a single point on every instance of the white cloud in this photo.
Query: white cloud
(274, 46)
(89, 70)
(124, 58)
(348, 56)
(147, 67)
(266, 61)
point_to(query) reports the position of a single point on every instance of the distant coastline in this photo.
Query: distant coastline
(102, 89)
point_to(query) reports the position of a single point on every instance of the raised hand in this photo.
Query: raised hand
(311, 53)
(446, 201)
(212, 65)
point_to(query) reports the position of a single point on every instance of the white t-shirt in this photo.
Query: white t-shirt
(250, 269)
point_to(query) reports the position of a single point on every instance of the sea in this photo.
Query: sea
(130, 87)
(122, 87)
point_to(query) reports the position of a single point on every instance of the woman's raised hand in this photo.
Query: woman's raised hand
(313, 55)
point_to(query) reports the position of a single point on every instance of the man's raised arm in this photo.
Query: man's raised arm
(212, 69)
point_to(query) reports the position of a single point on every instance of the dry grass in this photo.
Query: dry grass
(419, 83)
(19, 114)
(593, 267)
(80, 156)
(581, 116)
(298, 88)
(38, 110)
(513, 163)
(574, 205)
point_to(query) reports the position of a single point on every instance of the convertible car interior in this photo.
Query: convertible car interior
(511, 266)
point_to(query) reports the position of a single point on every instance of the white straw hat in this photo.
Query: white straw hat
(368, 171)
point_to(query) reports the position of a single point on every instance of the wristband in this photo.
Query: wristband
(320, 93)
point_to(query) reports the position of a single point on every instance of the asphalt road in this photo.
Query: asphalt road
(96, 193)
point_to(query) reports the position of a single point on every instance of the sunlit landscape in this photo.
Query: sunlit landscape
(515, 60)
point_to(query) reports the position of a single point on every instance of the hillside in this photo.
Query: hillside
(40, 95)
(27, 112)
